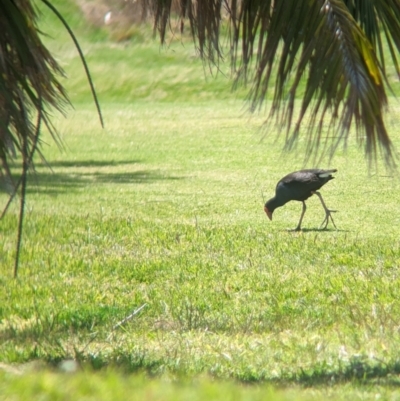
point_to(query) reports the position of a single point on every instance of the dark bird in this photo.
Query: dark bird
(299, 186)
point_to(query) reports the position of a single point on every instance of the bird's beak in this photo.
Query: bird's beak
(269, 214)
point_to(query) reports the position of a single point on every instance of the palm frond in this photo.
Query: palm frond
(353, 91)
(336, 46)
(28, 87)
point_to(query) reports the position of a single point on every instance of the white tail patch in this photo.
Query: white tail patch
(324, 175)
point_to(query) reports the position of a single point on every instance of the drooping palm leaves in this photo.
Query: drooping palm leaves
(28, 85)
(336, 45)
(28, 88)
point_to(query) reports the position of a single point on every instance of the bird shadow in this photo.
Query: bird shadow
(318, 230)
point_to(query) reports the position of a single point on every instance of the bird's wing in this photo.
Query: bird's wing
(298, 185)
(302, 178)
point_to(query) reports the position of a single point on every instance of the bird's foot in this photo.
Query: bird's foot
(328, 215)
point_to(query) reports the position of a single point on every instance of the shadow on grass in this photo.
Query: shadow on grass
(86, 163)
(318, 230)
(359, 369)
(91, 323)
(76, 175)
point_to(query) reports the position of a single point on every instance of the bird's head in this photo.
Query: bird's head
(268, 212)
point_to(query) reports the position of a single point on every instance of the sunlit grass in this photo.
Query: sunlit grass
(164, 209)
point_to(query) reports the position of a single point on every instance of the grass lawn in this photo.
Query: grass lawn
(163, 209)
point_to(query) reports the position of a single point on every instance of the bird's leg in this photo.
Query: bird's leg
(328, 212)
(298, 228)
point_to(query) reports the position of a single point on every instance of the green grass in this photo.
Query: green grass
(114, 386)
(164, 208)
(136, 70)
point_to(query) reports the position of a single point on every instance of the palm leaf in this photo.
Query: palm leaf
(28, 87)
(337, 46)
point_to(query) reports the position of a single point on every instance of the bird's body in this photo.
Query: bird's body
(299, 186)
